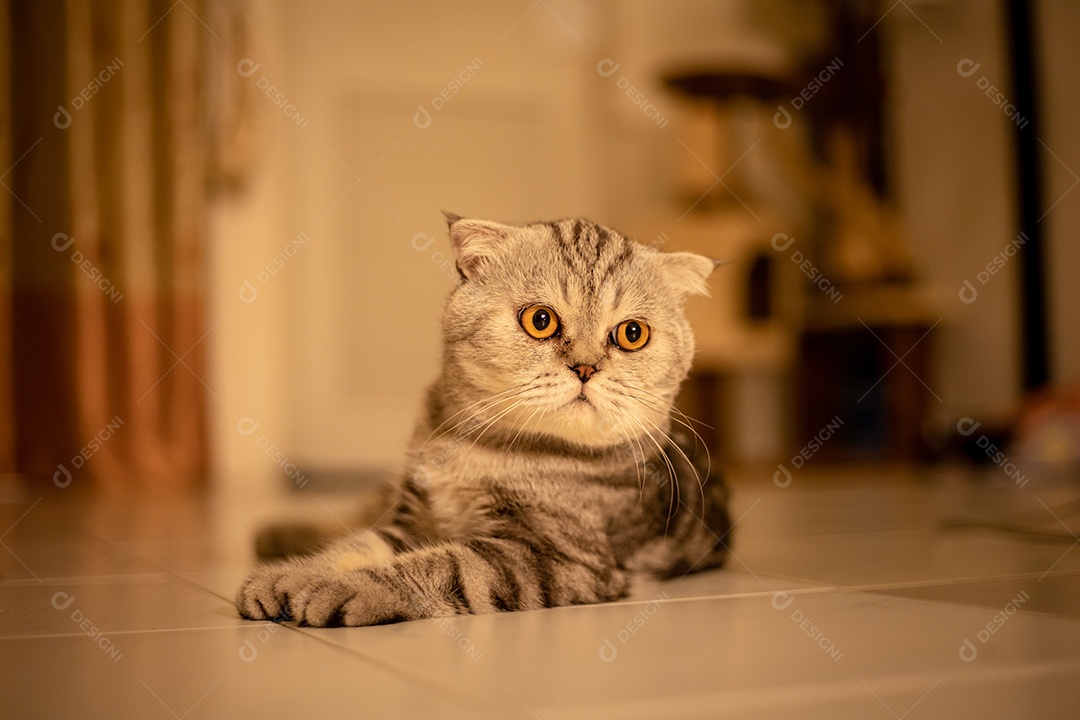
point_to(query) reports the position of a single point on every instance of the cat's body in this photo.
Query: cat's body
(541, 471)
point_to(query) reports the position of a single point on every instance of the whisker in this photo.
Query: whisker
(484, 424)
(701, 440)
(521, 429)
(701, 484)
(671, 469)
(670, 406)
(481, 411)
(489, 423)
(675, 414)
(464, 410)
(686, 423)
(631, 442)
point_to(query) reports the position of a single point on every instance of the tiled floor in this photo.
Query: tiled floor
(847, 598)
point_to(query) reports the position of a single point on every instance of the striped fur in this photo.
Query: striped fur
(527, 487)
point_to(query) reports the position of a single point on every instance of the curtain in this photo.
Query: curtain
(7, 406)
(106, 214)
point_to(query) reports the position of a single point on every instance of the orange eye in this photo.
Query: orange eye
(630, 335)
(539, 321)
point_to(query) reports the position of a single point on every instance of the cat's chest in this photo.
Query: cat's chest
(458, 513)
(464, 491)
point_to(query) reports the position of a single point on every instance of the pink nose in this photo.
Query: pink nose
(584, 372)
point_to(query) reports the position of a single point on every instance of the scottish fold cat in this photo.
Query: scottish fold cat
(549, 462)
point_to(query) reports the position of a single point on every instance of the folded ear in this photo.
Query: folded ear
(688, 271)
(475, 243)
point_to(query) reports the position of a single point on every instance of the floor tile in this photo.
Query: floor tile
(1051, 594)
(731, 581)
(845, 596)
(757, 650)
(904, 556)
(223, 580)
(253, 670)
(86, 559)
(41, 519)
(157, 602)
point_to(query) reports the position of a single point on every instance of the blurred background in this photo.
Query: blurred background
(223, 258)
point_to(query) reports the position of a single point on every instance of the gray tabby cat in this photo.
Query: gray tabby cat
(544, 468)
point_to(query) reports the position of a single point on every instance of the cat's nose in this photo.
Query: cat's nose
(584, 372)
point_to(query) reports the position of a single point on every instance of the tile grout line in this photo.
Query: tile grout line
(110, 633)
(404, 672)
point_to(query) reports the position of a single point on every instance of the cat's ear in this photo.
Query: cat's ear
(475, 243)
(688, 271)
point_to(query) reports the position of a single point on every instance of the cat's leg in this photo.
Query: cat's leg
(290, 539)
(280, 540)
(697, 536)
(450, 578)
(261, 595)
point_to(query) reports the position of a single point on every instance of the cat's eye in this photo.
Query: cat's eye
(539, 321)
(630, 335)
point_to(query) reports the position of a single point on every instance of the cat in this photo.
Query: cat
(544, 469)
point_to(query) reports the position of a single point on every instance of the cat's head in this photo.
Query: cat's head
(567, 329)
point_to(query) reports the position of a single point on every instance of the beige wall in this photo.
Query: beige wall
(951, 155)
(334, 354)
(954, 167)
(1060, 59)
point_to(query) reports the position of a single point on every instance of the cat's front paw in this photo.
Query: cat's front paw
(312, 595)
(266, 594)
